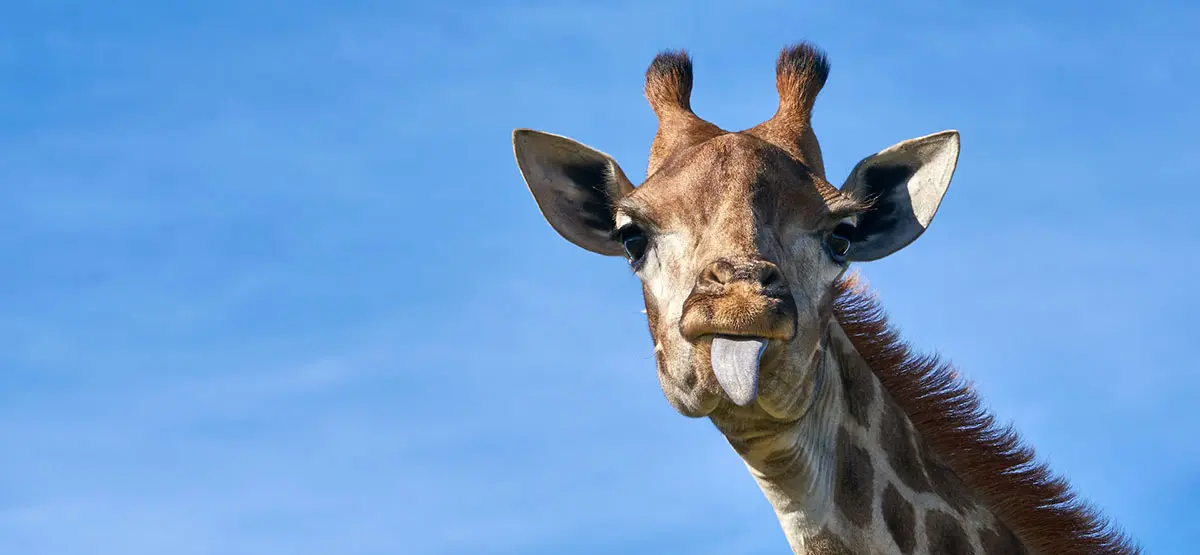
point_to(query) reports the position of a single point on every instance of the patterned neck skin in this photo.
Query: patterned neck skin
(852, 476)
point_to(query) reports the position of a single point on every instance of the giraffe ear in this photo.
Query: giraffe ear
(574, 186)
(904, 184)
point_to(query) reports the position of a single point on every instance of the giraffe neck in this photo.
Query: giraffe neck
(853, 476)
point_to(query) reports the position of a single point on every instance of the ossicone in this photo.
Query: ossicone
(669, 82)
(800, 74)
(669, 91)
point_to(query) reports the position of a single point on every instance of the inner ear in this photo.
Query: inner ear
(904, 186)
(575, 187)
(891, 209)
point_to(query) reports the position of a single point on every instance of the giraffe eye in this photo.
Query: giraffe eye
(634, 240)
(837, 242)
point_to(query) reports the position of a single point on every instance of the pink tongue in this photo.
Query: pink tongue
(735, 363)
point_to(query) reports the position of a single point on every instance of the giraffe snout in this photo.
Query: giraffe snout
(756, 274)
(740, 297)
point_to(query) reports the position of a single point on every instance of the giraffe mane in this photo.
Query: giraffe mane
(1038, 505)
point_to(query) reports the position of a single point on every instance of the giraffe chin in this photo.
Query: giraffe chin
(736, 363)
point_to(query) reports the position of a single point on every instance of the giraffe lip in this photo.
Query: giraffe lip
(736, 362)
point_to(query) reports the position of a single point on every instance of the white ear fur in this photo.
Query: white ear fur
(574, 186)
(906, 183)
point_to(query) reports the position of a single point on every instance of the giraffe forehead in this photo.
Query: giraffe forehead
(733, 182)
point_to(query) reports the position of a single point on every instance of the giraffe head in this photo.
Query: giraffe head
(737, 237)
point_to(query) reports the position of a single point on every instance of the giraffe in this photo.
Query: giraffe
(743, 251)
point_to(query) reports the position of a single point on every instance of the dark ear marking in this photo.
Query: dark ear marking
(595, 206)
(887, 208)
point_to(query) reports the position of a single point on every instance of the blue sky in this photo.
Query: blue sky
(273, 283)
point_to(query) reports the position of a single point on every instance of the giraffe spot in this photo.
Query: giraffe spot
(948, 486)
(1000, 542)
(690, 380)
(945, 535)
(902, 454)
(900, 518)
(825, 543)
(855, 480)
(859, 391)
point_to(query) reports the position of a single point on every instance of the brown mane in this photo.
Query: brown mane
(1036, 504)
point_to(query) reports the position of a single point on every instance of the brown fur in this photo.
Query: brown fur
(669, 82)
(669, 91)
(801, 71)
(1039, 506)
(800, 74)
(742, 305)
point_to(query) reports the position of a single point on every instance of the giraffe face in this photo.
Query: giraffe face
(737, 253)
(737, 245)
(737, 238)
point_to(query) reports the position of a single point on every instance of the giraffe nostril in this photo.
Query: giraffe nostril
(762, 273)
(769, 276)
(719, 273)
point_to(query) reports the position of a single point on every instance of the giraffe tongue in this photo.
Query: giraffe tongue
(735, 363)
